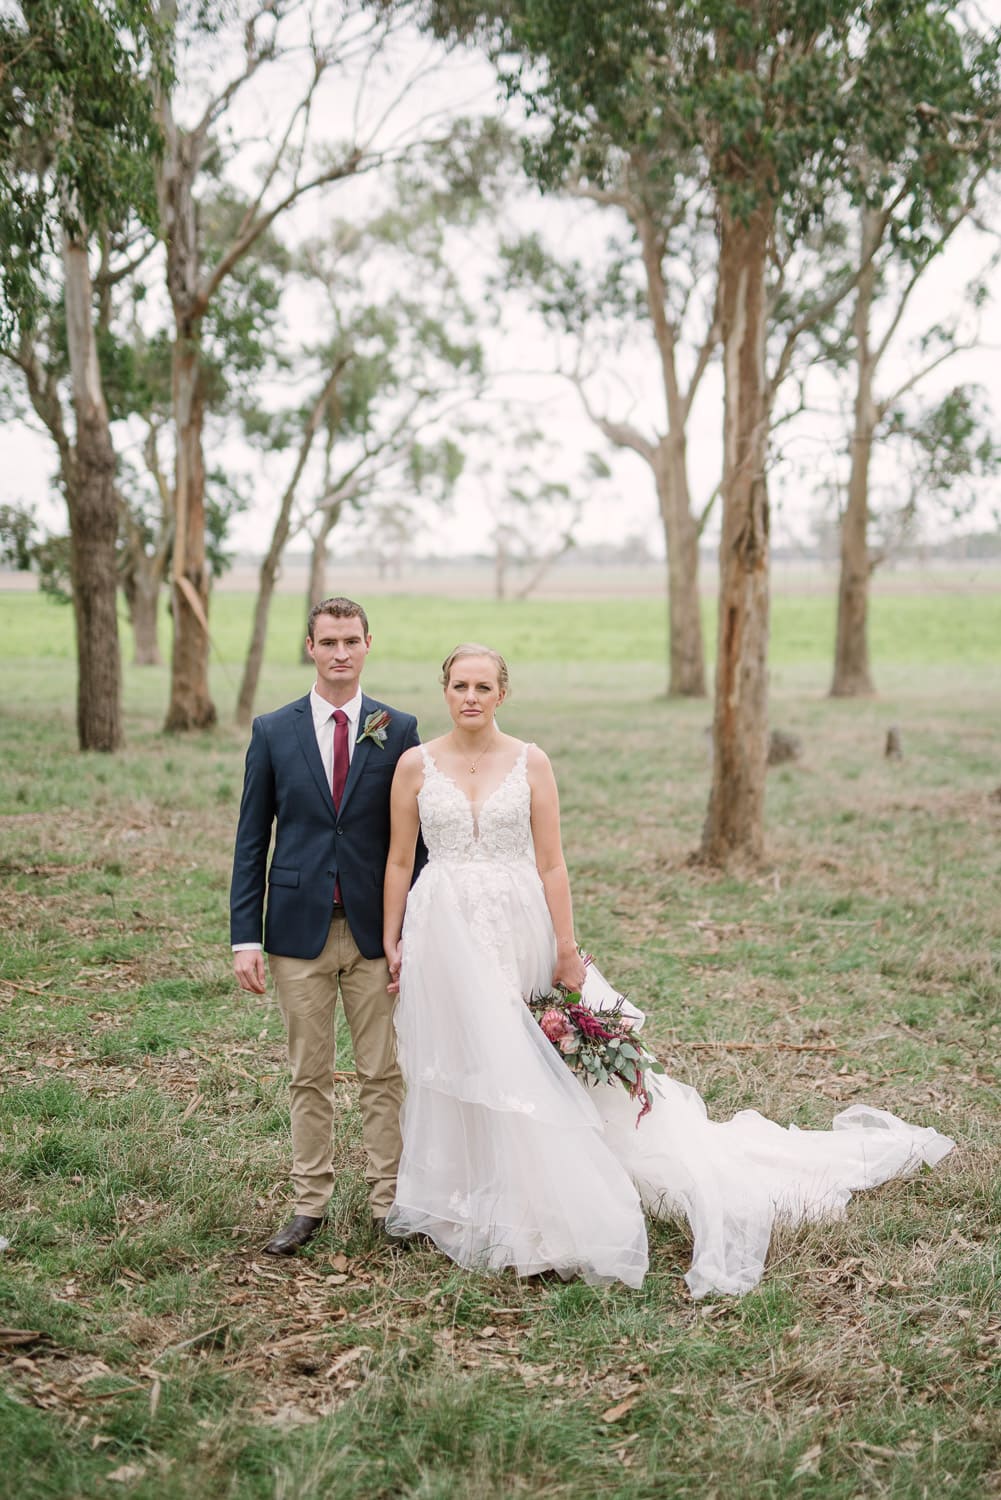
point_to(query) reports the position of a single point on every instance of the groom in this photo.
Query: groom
(319, 772)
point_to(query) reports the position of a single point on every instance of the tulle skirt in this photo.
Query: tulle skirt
(504, 1159)
(510, 1161)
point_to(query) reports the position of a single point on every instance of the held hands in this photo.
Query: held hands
(248, 966)
(394, 961)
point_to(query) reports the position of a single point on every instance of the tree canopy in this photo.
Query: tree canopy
(77, 130)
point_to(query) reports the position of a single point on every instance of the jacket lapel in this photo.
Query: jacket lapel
(307, 741)
(362, 750)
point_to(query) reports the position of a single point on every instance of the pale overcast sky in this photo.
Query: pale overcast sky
(628, 387)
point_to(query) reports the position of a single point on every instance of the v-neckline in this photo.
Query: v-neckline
(476, 809)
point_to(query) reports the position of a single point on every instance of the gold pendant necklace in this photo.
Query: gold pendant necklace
(478, 758)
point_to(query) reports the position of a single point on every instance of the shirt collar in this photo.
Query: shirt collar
(322, 709)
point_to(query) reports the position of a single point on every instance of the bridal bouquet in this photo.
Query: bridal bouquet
(600, 1046)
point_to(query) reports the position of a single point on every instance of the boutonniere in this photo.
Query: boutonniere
(374, 728)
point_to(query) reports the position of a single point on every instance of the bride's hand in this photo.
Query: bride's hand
(570, 970)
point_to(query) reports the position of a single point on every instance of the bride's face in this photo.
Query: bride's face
(473, 692)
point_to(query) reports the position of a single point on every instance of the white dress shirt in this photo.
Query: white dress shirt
(323, 725)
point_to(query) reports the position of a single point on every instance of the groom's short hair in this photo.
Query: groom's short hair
(341, 609)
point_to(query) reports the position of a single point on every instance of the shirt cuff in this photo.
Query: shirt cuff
(248, 947)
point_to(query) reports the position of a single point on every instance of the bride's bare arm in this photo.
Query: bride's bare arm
(404, 828)
(552, 867)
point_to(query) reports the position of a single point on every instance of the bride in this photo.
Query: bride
(508, 1160)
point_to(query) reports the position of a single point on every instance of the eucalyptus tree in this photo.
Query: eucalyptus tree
(75, 157)
(38, 387)
(389, 505)
(665, 280)
(393, 357)
(774, 96)
(134, 361)
(941, 457)
(387, 478)
(535, 500)
(913, 192)
(223, 125)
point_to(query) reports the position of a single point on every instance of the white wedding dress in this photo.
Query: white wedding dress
(510, 1161)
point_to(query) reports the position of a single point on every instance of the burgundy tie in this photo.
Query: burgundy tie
(340, 776)
(341, 760)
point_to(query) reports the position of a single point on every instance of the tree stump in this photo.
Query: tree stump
(783, 746)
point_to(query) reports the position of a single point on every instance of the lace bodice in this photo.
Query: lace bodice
(499, 830)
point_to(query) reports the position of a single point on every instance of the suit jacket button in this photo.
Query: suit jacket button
(339, 828)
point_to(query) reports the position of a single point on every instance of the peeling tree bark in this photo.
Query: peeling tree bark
(191, 705)
(734, 826)
(93, 509)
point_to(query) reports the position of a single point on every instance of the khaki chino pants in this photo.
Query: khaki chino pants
(307, 997)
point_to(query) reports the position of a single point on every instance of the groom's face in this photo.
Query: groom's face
(338, 649)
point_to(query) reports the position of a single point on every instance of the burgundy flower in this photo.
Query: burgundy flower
(598, 1047)
(587, 1022)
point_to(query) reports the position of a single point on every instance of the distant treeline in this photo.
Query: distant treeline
(977, 546)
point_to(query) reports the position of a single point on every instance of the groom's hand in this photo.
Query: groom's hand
(394, 962)
(248, 966)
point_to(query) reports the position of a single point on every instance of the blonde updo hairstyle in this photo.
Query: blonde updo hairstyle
(470, 648)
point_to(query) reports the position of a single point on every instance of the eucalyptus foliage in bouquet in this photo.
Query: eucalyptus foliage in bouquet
(600, 1047)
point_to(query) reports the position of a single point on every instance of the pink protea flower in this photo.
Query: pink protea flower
(557, 1028)
(598, 1047)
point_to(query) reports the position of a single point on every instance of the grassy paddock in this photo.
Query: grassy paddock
(935, 628)
(143, 1110)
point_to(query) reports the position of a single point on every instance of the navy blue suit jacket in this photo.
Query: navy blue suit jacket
(285, 787)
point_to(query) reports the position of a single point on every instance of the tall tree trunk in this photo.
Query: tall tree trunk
(271, 564)
(142, 573)
(852, 675)
(191, 705)
(687, 677)
(93, 511)
(317, 587)
(686, 653)
(258, 633)
(734, 825)
(141, 587)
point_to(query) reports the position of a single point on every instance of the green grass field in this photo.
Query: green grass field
(932, 629)
(149, 1350)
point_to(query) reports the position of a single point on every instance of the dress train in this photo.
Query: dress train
(510, 1161)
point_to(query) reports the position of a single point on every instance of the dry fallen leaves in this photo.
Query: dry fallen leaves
(809, 1462)
(615, 1412)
